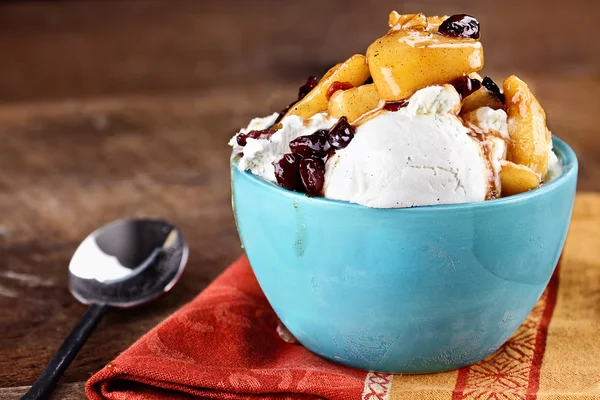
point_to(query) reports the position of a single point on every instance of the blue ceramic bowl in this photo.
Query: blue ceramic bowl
(411, 290)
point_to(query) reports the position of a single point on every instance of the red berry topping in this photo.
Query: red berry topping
(465, 85)
(312, 172)
(315, 145)
(259, 134)
(335, 86)
(310, 84)
(490, 85)
(341, 134)
(395, 105)
(287, 172)
(460, 25)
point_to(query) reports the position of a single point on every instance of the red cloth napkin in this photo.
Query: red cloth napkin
(224, 345)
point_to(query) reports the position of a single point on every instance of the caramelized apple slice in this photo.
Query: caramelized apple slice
(354, 70)
(405, 61)
(526, 127)
(481, 98)
(353, 103)
(515, 179)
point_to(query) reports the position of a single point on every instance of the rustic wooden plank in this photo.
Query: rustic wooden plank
(63, 173)
(85, 48)
(68, 391)
(143, 160)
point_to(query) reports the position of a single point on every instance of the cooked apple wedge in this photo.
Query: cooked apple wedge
(354, 70)
(480, 98)
(353, 103)
(405, 61)
(526, 127)
(515, 179)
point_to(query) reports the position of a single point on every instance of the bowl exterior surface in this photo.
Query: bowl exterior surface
(417, 290)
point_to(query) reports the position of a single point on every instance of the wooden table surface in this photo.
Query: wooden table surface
(120, 109)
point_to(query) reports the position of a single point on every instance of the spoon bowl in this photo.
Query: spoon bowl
(127, 263)
(123, 264)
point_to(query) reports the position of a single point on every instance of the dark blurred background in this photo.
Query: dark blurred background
(80, 48)
(112, 109)
(58, 50)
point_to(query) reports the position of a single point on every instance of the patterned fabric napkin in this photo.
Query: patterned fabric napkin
(224, 345)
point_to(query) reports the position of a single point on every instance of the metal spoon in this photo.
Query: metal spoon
(123, 264)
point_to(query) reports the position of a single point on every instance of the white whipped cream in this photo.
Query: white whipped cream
(492, 125)
(488, 120)
(256, 124)
(259, 154)
(419, 155)
(434, 100)
(554, 166)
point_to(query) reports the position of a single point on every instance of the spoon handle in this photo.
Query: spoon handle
(45, 383)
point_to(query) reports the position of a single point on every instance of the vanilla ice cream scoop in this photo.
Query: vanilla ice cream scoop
(419, 155)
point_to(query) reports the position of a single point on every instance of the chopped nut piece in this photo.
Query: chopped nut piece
(407, 21)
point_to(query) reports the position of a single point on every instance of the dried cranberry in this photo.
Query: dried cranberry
(491, 86)
(465, 85)
(395, 105)
(335, 86)
(341, 134)
(259, 134)
(315, 145)
(310, 84)
(460, 25)
(287, 172)
(312, 172)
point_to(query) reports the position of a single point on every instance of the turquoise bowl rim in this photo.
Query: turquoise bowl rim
(565, 154)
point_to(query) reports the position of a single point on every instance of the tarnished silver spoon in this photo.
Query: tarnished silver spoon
(123, 264)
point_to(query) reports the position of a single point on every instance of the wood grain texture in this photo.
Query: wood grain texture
(67, 391)
(118, 109)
